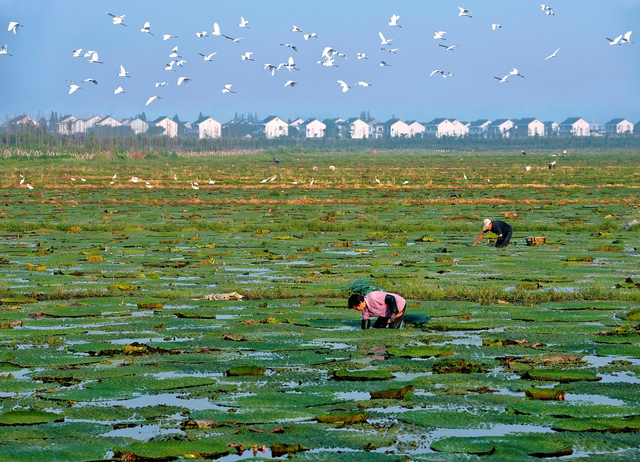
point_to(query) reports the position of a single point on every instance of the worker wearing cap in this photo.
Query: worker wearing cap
(502, 229)
(387, 307)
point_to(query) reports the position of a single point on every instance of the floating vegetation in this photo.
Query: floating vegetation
(626, 424)
(394, 393)
(457, 366)
(360, 376)
(561, 375)
(420, 352)
(240, 371)
(545, 394)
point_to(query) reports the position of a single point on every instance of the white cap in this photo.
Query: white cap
(485, 224)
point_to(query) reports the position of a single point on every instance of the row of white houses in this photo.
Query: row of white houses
(354, 128)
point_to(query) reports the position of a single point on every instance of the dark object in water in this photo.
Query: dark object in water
(416, 319)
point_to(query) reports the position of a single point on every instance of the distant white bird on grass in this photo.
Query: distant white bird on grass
(273, 178)
(362, 56)
(168, 36)
(332, 168)
(290, 83)
(29, 186)
(527, 168)
(449, 48)
(3, 50)
(265, 180)
(344, 86)
(247, 56)
(118, 90)
(95, 58)
(227, 89)
(123, 72)
(211, 181)
(134, 179)
(148, 185)
(439, 35)
(312, 180)
(146, 28)
(363, 84)
(186, 81)
(118, 20)
(495, 26)
(377, 180)
(194, 186)
(311, 35)
(394, 20)
(384, 41)
(552, 55)
(464, 12)
(405, 182)
(162, 84)
(464, 175)
(153, 98)
(209, 56)
(14, 26)
(243, 23)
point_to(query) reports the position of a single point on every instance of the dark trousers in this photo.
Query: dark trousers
(383, 322)
(506, 237)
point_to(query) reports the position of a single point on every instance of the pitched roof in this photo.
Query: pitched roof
(269, 119)
(526, 120)
(159, 119)
(393, 121)
(351, 120)
(438, 121)
(479, 122)
(571, 120)
(501, 121)
(616, 121)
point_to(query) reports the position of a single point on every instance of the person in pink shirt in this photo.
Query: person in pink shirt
(387, 307)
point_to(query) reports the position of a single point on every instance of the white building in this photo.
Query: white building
(207, 127)
(137, 125)
(416, 129)
(529, 127)
(575, 126)
(170, 126)
(460, 128)
(354, 128)
(440, 127)
(376, 129)
(274, 127)
(109, 122)
(501, 127)
(551, 128)
(66, 126)
(312, 128)
(479, 128)
(618, 127)
(396, 128)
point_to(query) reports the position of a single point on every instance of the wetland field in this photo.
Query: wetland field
(110, 349)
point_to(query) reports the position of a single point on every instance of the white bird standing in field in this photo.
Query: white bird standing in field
(22, 180)
(243, 23)
(312, 180)
(153, 98)
(552, 55)
(208, 57)
(384, 41)
(123, 72)
(194, 186)
(377, 180)
(118, 90)
(464, 12)
(527, 168)
(186, 81)
(439, 35)
(344, 86)
(29, 186)
(227, 89)
(464, 175)
(265, 180)
(3, 50)
(405, 182)
(146, 28)
(211, 181)
(247, 56)
(332, 168)
(495, 26)
(14, 26)
(394, 20)
(118, 20)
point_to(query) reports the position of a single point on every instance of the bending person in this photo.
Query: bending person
(502, 229)
(387, 307)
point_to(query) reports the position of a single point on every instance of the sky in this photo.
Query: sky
(587, 78)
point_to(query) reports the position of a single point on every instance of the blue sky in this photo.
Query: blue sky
(588, 77)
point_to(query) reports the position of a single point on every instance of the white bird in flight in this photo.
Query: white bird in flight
(202, 34)
(247, 56)
(162, 84)
(449, 48)
(547, 9)
(363, 84)
(14, 26)
(243, 23)
(394, 20)
(290, 83)
(93, 81)
(181, 62)
(515, 71)
(117, 19)
(311, 35)
(384, 64)
(208, 57)
(234, 40)
(552, 55)
(503, 79)
(216, 29)
(186, 81)
(496, 26)
(169, 67)
(439, 35)
(95, 58)
(174, 53)
(146, 28)
(153, 98)
(362, 56)
(123, 72)
(118, 90)
(290, 46)
(344, 86)
(296, 29)
(443, 73)
(289, 65)
(73, 87)
(271, 68)
(464, 12)
(627, 37)
(168, 36)
(384, 41)
(227, 89)
(77, 53)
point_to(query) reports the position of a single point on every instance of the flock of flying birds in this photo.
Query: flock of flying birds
(328, 57)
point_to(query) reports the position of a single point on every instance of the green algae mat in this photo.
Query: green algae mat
(114, 346)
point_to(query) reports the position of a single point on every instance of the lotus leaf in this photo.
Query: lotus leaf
(394, 393)
(245, 370)
(545, 394)
(421, 351)
(367, 375)
(29, 418)
(457, 365)
(343, 417)
(561, 375)
(536, 445)
(599, 424)
(208, 448)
